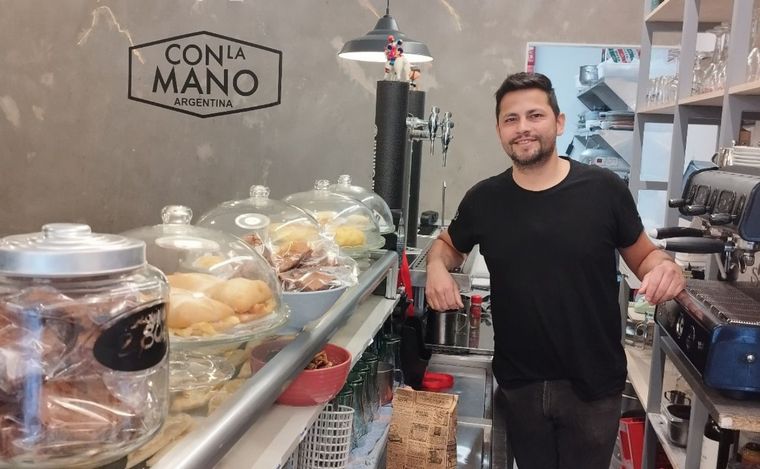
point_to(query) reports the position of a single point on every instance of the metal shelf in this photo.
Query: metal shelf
(614, 94)
(616, 141)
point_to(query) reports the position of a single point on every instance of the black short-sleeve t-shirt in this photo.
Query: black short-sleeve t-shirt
(554, 290)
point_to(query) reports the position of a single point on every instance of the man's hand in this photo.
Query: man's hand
(662, 283)
(441, 290)
(661, 278)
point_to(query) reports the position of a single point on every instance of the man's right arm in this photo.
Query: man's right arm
(441, 290)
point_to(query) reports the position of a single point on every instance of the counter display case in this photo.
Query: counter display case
(248, 430)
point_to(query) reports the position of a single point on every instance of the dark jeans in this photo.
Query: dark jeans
(550, 427)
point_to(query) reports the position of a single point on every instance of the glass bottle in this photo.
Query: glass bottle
(716, 446)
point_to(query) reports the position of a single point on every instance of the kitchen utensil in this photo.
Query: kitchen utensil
(448, 327)
(677, 397)
(678, 423)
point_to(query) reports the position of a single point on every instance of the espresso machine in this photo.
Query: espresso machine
(716, 321)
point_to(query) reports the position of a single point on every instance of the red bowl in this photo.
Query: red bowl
(311, 387)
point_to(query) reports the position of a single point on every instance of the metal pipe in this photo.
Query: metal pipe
(204, 447)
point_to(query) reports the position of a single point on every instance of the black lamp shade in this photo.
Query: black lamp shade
(371, 46)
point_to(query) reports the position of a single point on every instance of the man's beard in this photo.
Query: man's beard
(538, 157)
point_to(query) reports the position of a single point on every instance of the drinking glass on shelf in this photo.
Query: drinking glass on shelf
(673, 89)
(715, 73)
(724, 32)
(753, 59)
(701, 65)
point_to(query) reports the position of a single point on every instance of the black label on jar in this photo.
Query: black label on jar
(136, 342)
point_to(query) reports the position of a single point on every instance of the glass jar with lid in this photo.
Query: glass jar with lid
(374, 202)
(83, 347)
(349, 222)
(222, 290)
(259, 220)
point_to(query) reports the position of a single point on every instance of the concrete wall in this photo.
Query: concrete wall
(73, 147)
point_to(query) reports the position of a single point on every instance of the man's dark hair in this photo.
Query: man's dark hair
(526, 81)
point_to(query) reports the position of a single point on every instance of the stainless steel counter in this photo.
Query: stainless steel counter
(481, 438)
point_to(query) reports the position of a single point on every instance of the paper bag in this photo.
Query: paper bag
(423, 430)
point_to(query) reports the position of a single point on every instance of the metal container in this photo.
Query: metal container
(448, 328)
(588, 75)
(678, 423)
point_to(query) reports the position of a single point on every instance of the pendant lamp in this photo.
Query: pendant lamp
(371, 46)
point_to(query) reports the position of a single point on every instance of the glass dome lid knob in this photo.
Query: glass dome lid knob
(176, 215)
(321, 184)
(259, 192)
(344, 180)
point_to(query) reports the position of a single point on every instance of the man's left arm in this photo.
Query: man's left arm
(661, 278)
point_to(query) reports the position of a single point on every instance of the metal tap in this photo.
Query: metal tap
(418, 128)
(433, 127)
(446, 134)
(728, 256)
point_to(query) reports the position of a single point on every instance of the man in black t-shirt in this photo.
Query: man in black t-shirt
(548, 229)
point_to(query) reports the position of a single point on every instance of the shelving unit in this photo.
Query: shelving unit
(724, 108)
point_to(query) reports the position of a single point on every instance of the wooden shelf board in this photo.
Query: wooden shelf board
(751, 88)
(663, 109)
(713, 98)
(675, 454)
(711, 11)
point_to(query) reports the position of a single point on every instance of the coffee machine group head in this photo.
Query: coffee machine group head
(726, 204)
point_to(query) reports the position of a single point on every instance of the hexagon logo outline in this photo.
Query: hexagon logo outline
(135, 51)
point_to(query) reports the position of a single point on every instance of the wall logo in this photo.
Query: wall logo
(205, 74)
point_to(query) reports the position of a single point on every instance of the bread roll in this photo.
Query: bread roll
(347, 236)
(187, 308)
(193, 281)
(207, 262)
(241, 294)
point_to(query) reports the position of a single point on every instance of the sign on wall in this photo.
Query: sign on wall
(205, 74)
